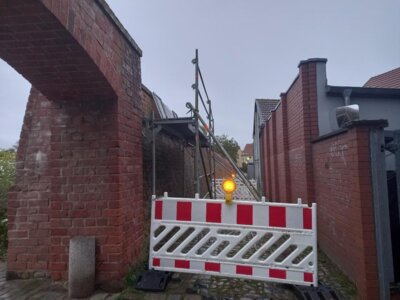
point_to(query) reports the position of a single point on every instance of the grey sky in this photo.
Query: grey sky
(248, 49)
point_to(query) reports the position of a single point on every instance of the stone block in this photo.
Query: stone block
(81, 272)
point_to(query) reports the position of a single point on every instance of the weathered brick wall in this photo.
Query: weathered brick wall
(79, 164)
(302, 128)
(272, 162)
(29, 200)
(281, 155)
(343, 189)
(334, 172)
(287, 137)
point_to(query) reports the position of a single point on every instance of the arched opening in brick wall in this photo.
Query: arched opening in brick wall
(77, 168)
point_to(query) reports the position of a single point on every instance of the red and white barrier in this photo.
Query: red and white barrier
(258, 240)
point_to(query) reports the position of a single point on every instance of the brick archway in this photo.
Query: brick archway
(79, 163)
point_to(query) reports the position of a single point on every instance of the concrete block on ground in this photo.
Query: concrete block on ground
(81, 270)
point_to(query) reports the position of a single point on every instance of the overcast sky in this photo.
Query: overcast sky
(248, 49)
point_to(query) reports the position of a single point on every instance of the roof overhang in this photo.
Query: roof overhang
(183, 129)
(363, 92)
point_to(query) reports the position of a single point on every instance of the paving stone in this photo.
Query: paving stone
(192, 297)
(191, 290)
(100, 296)
(184, 286)
(155, 296)
(174, 297)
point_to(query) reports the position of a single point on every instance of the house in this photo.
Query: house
(338, 146)
(245, 156)
(262, 112)
(247, 153)
(389, 80)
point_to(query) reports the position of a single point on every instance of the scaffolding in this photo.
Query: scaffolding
(197, 133)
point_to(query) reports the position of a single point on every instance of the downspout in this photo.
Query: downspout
(346, 96)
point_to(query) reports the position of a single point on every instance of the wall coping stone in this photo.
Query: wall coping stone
(106, 8)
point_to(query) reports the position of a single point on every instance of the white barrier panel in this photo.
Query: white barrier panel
(254, 240)
(241, 193)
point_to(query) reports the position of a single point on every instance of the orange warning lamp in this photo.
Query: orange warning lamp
(229, 186)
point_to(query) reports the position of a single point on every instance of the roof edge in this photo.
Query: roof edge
(147, 90)
(365, 92)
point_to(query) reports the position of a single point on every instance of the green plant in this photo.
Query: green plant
(3, 234)
(134, 273)
(230, 145)
(141, 264)
(7, 177)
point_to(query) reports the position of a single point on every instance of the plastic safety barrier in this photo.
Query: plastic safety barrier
(255, 240)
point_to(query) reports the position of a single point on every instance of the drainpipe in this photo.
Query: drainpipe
(346, 96)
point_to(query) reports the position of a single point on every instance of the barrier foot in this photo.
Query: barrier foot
(153, 281)
(311, 293)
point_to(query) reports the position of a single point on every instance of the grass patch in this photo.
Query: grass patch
(332, 276)
(136, 269)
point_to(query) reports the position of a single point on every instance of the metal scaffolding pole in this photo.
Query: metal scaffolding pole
(197, 138)
(153, 148)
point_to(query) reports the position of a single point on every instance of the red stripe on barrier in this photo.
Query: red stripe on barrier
(158, 212)
(213, 267)
(277, 216)
(182, 264)
(244, 270)
(307, 220)
(184, 211)
(213, 212)
(244, 214)
(280, 274)
(156, 262)
(308, 277)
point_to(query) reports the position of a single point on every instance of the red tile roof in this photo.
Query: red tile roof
(248, 150)
(389, 80)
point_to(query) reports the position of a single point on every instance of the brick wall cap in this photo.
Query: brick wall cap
(381, 123)
(329, 135)
(108, 11)
(147, 90)
(312, 60)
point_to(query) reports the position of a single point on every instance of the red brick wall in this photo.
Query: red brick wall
(79, 164)
(345, 209)
(302, 127)
(29, 201)
(272, 165)
(287, 145)
(334, 172)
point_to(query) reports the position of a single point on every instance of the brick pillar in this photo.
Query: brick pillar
(275, 175)
(286, 166)
(308, 78)
(29, 200)
(79, 164)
